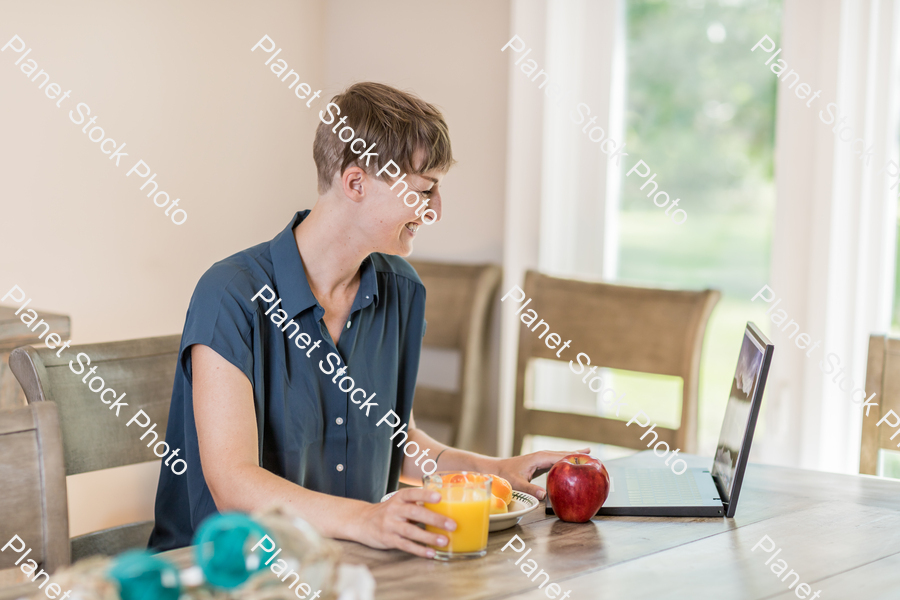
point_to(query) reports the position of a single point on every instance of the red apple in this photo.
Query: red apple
(578, 485)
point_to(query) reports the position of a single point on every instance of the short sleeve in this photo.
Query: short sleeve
(220, 316)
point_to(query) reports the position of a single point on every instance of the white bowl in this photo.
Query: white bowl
(521, 505)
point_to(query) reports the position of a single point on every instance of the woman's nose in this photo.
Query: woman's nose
(435, 205)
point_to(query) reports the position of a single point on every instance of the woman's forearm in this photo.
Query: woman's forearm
(253, 488)
(451, 459)
(519, 471)
(462, 460)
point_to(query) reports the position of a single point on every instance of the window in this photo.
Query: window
(681, 87)
(701, 113)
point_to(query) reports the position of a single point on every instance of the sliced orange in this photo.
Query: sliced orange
(501, 489)
(498, 506)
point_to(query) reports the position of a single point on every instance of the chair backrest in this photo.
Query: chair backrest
(882, 379)
(33, 500)
(14, 333)
(636, 329)
(94, 438)
(459, 299)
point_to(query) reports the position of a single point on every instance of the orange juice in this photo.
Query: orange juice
(470, 509)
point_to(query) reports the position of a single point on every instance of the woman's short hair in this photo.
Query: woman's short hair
(403, 128)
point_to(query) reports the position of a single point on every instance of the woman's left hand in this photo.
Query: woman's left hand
(520, 470)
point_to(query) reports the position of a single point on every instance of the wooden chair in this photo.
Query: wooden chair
(457, 311)
(14, 333)
(882, 378)
(93, 437)
(636, 329)
(33, 497)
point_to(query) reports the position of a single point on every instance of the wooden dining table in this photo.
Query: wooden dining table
(840, 533)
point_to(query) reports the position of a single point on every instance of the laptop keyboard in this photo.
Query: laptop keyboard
(661, 487)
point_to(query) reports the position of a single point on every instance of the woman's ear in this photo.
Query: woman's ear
(354, 181)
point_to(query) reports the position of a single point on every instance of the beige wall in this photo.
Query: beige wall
(443, 54)
(440, 52)
(178, 84)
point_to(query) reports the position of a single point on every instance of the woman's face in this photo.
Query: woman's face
(395, 219)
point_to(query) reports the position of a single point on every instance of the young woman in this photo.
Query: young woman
(295, 349)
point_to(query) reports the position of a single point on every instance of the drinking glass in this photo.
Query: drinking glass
(466, 499)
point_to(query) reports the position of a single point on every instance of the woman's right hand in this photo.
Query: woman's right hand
(391, 524)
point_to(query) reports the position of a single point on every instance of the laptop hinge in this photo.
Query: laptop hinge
(722, 494)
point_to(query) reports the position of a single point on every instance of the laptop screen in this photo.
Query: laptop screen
(740, 413)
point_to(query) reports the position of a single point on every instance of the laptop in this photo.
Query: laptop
(656, 491)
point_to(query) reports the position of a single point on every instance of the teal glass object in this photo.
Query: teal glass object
(144, 576)
(223, 546)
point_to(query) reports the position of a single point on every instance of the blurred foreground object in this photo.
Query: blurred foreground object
(236, 559)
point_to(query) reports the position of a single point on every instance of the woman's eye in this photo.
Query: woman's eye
(427, 192)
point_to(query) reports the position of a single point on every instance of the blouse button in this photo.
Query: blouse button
(340, 467)
(348, 324)
(339, 421)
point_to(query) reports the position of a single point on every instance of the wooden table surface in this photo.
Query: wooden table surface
(841, 533)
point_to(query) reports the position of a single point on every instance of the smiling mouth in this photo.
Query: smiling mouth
(412, 227)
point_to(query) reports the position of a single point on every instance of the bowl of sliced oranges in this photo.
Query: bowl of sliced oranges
(508, 506)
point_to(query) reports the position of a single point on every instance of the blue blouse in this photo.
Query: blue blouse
(310, 430)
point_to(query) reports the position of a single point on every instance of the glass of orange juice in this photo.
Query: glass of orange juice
(465, 498)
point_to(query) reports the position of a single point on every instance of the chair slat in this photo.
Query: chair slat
(22, 506)
(110, 542)
(580, 427)
(33, 503)
(646, 330)
(14, 333)
(459, 299)
(114, 351)
(439, 405)
(882, 379)
(93, 437)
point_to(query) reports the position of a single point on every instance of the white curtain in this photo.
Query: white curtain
(562, 192)
(835, 222)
